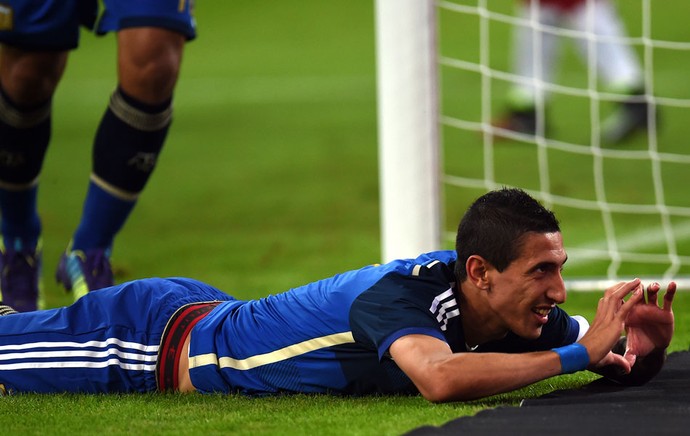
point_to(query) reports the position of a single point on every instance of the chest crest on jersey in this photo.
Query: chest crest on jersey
(444, 307)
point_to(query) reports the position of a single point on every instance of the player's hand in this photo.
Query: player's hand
(649, 327)
(610, 321)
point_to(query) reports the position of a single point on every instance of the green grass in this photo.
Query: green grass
(216, 414)
(268, 181)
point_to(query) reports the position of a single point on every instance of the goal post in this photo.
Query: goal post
(438, 92)
(408, 127)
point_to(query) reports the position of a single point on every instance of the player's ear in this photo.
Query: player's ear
(478, 271)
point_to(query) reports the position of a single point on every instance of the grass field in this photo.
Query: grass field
(268, 181)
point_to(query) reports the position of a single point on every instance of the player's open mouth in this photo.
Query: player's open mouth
(543, 313)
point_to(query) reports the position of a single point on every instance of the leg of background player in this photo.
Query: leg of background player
(618, 66)
(127, 144)
(28, 80)
(522, 97)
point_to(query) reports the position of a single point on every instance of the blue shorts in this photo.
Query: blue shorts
(54, 24)
(107, 341)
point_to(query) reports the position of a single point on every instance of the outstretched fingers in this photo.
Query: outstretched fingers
(609, 320)
(613, 304)
(636, 297)
(668, 296)
(614, 297)
(652, 293)
(622, 289)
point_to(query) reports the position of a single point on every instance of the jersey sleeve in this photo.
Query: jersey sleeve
(394, 307)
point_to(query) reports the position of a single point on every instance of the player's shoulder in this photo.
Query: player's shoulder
(421, 264)
(427, 274)
(445, 256)
(435, 265)
(401, 274)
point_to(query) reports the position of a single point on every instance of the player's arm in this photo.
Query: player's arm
(441, 375)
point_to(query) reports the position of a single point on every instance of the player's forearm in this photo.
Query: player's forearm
(468, 376)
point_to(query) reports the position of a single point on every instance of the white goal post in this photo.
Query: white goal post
(412, 177)
(408, 127)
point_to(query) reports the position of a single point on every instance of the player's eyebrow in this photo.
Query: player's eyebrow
(546, 264)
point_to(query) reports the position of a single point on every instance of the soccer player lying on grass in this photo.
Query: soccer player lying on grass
(486, 323)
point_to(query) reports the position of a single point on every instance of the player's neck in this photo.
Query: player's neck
(479, 322)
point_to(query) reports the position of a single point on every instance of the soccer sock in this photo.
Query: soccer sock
(102, 218)
(126, 148)
(24, 137)
(522, 96)
(129, 139)
(21, 225)
(617, 63)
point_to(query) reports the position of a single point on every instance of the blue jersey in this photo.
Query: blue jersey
(332, 336)
(54, 24)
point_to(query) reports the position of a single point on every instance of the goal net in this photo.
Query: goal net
(446, 77)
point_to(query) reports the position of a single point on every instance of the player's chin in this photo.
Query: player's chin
(530, 333)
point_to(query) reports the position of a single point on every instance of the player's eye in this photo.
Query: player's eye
(544, 268)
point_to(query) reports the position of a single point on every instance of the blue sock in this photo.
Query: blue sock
(21, 225)
(102, 218)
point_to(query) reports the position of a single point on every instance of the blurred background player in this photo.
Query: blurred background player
(616, 63)
(36, 37)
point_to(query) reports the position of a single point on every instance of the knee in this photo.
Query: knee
(31, 79)
(156, 75)
(149, 73)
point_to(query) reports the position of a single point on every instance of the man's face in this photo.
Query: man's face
(523, 295)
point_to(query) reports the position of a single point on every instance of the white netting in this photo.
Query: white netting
(624, 208)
